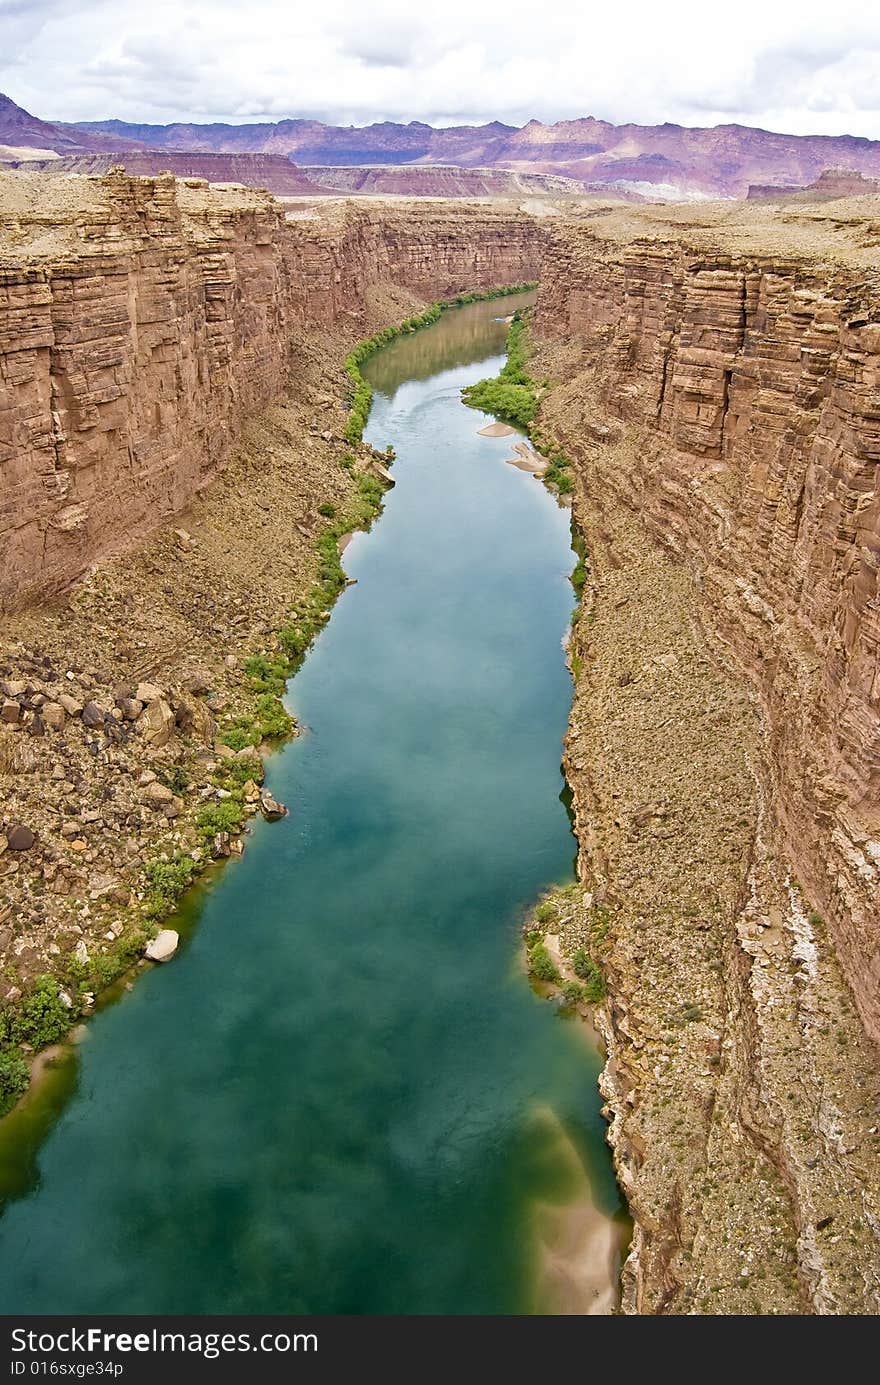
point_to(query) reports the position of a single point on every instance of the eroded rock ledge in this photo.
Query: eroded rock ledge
(721, 409)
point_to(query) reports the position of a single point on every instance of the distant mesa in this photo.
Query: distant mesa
(271, 171)
(662, 161)
(833, 183)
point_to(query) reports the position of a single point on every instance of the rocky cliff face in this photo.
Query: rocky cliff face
(722, 412)
(755, 384)
(143, 320)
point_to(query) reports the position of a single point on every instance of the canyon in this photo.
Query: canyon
(170, 356)
(154, 316)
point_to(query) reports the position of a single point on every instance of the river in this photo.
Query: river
(343, 1096)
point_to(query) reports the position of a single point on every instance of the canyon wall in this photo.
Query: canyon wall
(749, 388)
(142, 320)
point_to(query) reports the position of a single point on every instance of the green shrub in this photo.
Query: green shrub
(110, 965)
(14, 1079)
(599, 925)
(545, 912)
(39, 1018)
(269, 722)
(176, 778)
(541, 964)
(232, 774)
(267, 674)
(164, 883)
(224, 816)
(572, 993)
(590, 974)
(327, 510)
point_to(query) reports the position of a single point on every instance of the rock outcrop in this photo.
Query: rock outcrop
(270, 171)
(143, 320)
(755, 383)
(720, 406)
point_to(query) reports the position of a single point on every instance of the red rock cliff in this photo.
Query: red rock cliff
(752, 384)
(141, 321)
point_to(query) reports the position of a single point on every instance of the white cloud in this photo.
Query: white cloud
(796, 65)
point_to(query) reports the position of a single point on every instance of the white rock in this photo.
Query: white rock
(148, 692)
(163, 946)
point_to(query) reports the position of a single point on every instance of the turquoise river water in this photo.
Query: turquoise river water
(343, 1096)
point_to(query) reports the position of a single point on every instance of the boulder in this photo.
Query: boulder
(192, 715)
(20, 838)
(130, 707)
(10, 712)
(270, 807)
(54, 715)
(92, 715)
(148, 692)
(156, 722)
(72, 705)
(158, 793)
(163, 946)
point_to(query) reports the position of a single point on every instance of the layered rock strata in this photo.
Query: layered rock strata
(722, 412)
(143, 320)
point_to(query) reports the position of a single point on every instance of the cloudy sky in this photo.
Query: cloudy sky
(804, 66)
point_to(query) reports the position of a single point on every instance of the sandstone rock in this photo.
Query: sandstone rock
(92, 715)
(81, 953)
(10, 712)
(20, 838)
(270, 807)
(198, 682)
(156, 722)
(130, 707)
(72, 705)
(4, 842)
(158, 793)
(251, 791)
(54, 715)
(192, 715)
(163, 946)
(148, 692)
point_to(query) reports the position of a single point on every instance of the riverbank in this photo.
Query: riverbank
(145, 701)
(366, 1162)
